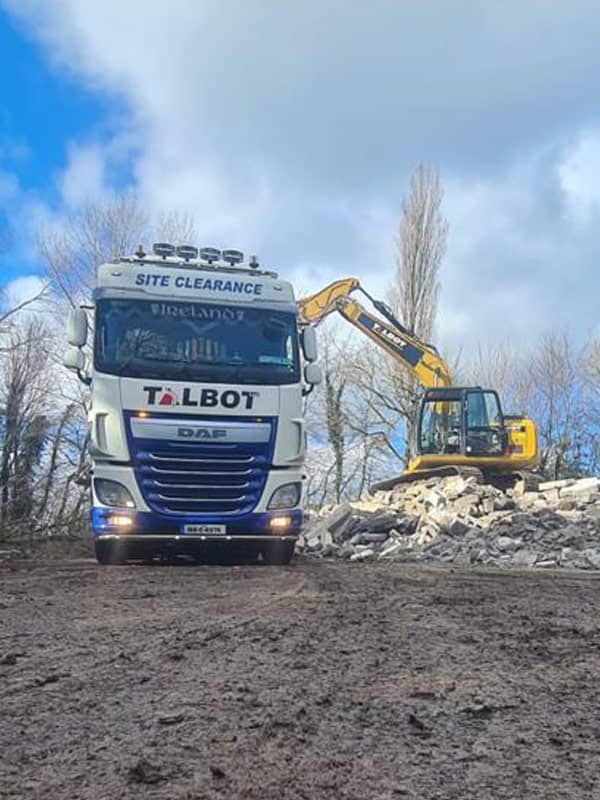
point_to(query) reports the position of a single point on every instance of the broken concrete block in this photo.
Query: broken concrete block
(393, 549)
(507, 543)
(456, 486)
(581, 487)
(524, 558)
(363, 555)
(593, 557)
(465, 504)
(434, 499)
(372, 538)
(503, 503)
(337, 517)
(458, 528)
(381, 521)
(345, 551)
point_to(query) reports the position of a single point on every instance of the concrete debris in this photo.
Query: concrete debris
(457, 520)
(8, 555)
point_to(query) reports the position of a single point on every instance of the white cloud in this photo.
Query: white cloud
(580, 177)
(83, 180)
(21, 290)
(289, 130)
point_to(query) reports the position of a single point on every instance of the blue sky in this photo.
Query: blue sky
(41, 110)
(290, 130)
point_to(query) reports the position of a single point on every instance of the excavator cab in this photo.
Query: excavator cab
(461, 421)
(464, 429)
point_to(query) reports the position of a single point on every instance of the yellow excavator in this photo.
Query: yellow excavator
(460, 429)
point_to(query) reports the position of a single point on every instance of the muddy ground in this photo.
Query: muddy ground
(316, 680)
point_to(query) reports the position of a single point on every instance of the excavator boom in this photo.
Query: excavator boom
(421, 359)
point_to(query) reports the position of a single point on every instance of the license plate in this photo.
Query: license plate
(206, 530)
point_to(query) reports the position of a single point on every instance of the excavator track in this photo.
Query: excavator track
(527, 481)
(425, 474)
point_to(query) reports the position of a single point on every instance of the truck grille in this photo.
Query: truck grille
(182, 482)
(178, 478)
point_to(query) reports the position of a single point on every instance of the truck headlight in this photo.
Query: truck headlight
(287, 496)
(112, 493)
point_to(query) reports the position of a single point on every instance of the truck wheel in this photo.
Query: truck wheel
(106, 553)
(278, 553)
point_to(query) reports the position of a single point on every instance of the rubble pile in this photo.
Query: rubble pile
(456, 519)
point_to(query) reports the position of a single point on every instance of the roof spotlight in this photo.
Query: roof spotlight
(233, 257)
(187, 251)
(210, 254)
(254, 262)
(163, 249)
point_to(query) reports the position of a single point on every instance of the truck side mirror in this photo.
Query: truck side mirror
(312, 374)
(309, 344)
(74, 359)
(77, 327)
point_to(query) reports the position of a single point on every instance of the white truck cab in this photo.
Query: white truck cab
(196, 426)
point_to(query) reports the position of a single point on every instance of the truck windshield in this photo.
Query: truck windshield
(196, 342)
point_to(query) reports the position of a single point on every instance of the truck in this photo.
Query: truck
(197, 367)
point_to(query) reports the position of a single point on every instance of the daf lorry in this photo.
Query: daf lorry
(197, 368)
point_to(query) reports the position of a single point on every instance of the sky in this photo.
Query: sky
(290, 130)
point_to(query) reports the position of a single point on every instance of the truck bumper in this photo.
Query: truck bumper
(124, 547)
(140, 525)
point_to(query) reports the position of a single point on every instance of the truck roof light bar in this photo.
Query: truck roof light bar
(232, 257)
(187, 251)
(163, 249)
(210, 254)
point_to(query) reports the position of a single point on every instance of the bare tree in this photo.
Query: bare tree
(335, 384)
(326, 423)
(25, 419)
(500, 367)
(43, 433)
(421, 246)
(591, 378)
(554, 398)
(391, 392)
(347, 439)
(89, 238)
(176, 228)
(8, 311)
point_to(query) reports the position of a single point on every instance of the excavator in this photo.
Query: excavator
(460, 429)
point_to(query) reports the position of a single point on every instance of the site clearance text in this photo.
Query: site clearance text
(190, 282)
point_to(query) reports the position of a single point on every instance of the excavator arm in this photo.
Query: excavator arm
(420, 358)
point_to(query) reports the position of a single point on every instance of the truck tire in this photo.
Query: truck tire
(106, 554)
(278, 553)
